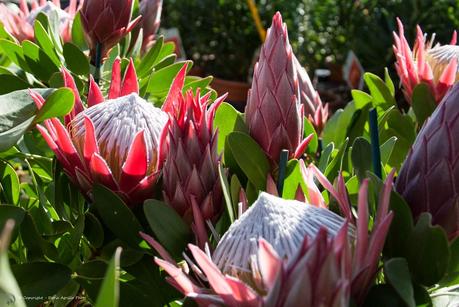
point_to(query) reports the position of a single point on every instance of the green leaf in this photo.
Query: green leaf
(76, 60)
(361, 157)
(397, 273)
(383, 295)
(38, 61)
(38, 280)
(10, 293)
(423, 102)
(361, 99)
(337, 126)
(379, 90)
(9, 212)
(9, 184)
(325, 156)
(427, 251)
(109, 292)
(46, 43)
(66, 294)
(93, 230)
(59, 103)
(336, 165)
(117, 216)
(145, 66)
(307, 130)
(14, 52)
(227, 119)
(250, 158)
(167, 225)
(388, 81)
(293, 179)
(78, 32)
(161, 80)
(10, 83)
(226, 192)
(386, 149)
(193, 83)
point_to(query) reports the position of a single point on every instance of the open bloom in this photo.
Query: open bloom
(434, 65)
(326, 268)
(113, 142)
(274, 114)
(151, 18)
(429, 177)
(191, 183)
(20, 23)
(106, 22)
(314, 109)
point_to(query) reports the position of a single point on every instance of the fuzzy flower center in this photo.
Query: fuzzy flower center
(116, 123)
(440, 56)
(47, 9)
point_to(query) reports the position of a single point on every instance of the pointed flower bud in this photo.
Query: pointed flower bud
(106, 22)
(191, 183)
(113, 142)
(437, 66)
(151, 18)
(273, 113)
(429, 177)
(20, 23)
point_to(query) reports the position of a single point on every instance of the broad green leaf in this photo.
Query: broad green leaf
(167, 225)
(10, 212)
(226, 192)
(383, 295)
(10, 293)
(167, 49)
(38, 61)
(387, 149)
(14, 52)
(193, 83)
(397, 273)
(161, 80)
(337, 126)
(361, 99)
(66, 294)
(307, 130)
(227, 119)
(93, 230)
(69, 244)
(59, 103)
(46, 43)
(427, 251)
(75, 59)
(422, 102)
(388, 81)
(379, 90)
(37, 247)
(336, 164)
(38, 280)
(361, 157)
(78, 32)
(325, 156)
(117, 216)
(146, 64)
(9, 184)
(109, 293)
(250, 158)
(293, 180)
(10, 83)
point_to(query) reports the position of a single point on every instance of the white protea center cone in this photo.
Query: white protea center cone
(439, 58)
(116, 124)
(282, 223)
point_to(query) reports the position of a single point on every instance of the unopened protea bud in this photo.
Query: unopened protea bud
(20, 23)
(314, 109)
(429, 177)
(434, 65)
(106, 22)
(113, 142)
(190, 175)
(282, 223)
(151, 18)
(273, 113)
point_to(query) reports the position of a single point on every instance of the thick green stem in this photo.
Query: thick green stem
(282, 167)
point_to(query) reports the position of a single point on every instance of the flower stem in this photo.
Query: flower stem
(375, 150)
(282, 167)
(98, 62)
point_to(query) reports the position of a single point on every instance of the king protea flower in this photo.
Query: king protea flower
(191, 183)
(106, 22)
(314, 109)
(151, 18)
(429, 177)
(113, 142)
(434, 65)
(326, 269)
(274, 113)
(20, 23)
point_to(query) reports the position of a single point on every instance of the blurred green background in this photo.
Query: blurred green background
(220, 35)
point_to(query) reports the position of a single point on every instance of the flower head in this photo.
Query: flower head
(429, 177)
(106, 22)
(112, 142)
(274, 113)
(436, 66)
(151, 18)
(20, 23)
